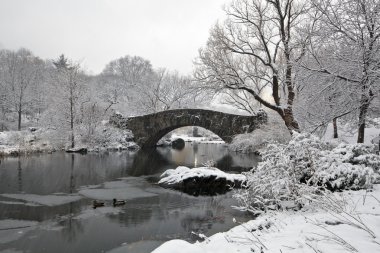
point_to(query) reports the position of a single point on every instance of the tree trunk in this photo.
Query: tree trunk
(362, 117)
(335, 128)
(363, 110)
(2, 117)
(19, 118)
(72, 122)
(290, 122)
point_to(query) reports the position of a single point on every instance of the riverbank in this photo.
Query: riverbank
(42, 140)
(342, 222)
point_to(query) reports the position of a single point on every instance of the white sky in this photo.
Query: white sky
(94, 32)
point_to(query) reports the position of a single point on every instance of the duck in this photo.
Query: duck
(118, 202)
(96, 204)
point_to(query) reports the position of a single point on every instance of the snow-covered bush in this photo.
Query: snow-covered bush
(303, 167)
(273, 131)
(359, 154)
(26, 141)
(108, 137)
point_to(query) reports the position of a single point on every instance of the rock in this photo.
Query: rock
(81, 150)
(163, 143)
(201, 181)
(33, 129)
(133, 146)
(178, 144)
(14, 153)
(128, 138)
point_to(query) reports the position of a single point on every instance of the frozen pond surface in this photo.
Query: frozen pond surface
(46, 200)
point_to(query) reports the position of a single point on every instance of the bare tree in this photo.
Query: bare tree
(257, 47)
(170, 90)
(241, 100)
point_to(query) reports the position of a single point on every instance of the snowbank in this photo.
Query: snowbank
(355, 227)
(203, 180)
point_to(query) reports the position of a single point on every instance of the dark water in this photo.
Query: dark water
(46, 200)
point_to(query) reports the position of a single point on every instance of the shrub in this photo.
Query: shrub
(303, 167)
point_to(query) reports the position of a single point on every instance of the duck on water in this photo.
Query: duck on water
(115, 202)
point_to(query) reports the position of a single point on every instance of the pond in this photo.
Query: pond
(46, 200)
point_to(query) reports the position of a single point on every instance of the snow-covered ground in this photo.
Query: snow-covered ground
(343, 222)
(187, 138)
(349, 135)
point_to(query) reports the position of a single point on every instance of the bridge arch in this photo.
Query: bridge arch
(149, 129)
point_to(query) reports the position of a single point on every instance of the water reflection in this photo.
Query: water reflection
(72, 182)
(19, 170)
(32, 187)
(71, 228)
(148, 162)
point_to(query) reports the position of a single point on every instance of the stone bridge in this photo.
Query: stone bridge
(149, 129)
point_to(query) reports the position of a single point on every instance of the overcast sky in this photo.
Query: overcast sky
(166, 32)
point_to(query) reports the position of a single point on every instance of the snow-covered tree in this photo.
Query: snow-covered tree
(123, 80)
(21, 73)
(131, 82)
(256, 48)
(131, 71)
(69, 84)
(322, 100)
(345, 48)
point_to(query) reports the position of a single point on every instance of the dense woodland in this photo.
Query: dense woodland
(311, 62)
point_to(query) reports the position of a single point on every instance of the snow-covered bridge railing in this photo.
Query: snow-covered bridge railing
(149, 129)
